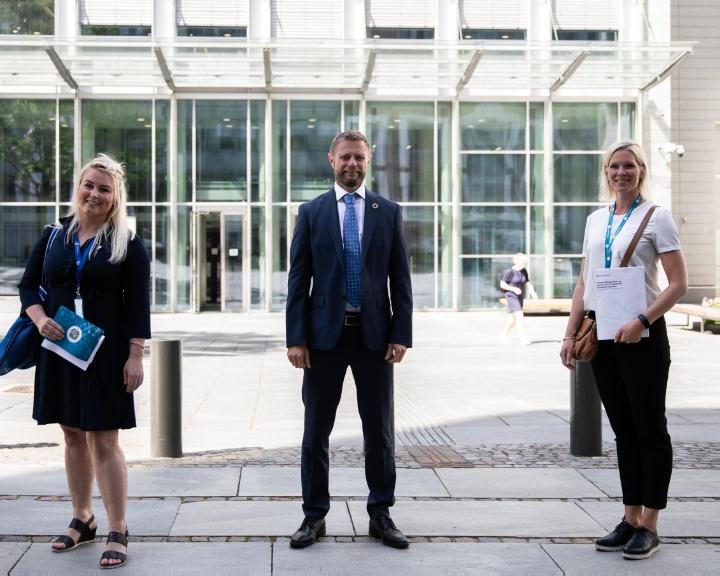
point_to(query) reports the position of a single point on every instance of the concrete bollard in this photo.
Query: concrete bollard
(166, 397)
(585, 412)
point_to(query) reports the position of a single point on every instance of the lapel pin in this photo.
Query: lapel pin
(374, 205)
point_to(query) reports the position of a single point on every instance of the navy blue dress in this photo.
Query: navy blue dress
(116, 297)
(516, 279)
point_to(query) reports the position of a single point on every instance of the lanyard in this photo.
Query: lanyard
(610, 238)
(81, 257)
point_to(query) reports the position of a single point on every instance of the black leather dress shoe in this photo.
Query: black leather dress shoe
(643, 544)
(310, 530)
(383, 527)
(617, 539)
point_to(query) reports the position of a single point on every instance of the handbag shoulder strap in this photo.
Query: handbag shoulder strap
(41, 289)
(636, 238)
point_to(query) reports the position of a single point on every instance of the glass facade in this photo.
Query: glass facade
(217, 190)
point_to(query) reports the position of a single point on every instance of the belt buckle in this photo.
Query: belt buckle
(352, 320)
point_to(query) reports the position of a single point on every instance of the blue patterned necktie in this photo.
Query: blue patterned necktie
(351, 248)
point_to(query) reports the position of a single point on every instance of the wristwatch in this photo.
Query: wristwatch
(644, 320)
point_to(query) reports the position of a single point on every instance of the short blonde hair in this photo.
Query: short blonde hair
(114, 232)
(606, 191)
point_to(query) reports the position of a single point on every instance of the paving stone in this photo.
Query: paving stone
(151, 559)
(26, 516)
(670, 560)
(516, 483)
(681, 519)
(420, 559)
(684, 483)
(10, 553)
(485, 518)
(252, 518)
(21, 479)
(285, 481)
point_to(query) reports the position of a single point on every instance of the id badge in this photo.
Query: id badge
(79, 307)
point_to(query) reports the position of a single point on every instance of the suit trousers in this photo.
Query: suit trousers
(632, 382)
(322, 388)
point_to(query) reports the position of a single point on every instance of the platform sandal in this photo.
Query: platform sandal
(121, 539)
(87, 535)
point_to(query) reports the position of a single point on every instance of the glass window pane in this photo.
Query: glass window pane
(352, 115)
(584, 126)
(492, 34)
(122, 129)
(67, 150)
(537, 178)
(140, 222)
(537, 230)
(492, 126)
(27, 17)
(570, 228)
(221, 149)
(445, 257)
(401, 136)
(480, 281)
(257, 259)
(213, 31)
(419, 233)
(627, 121)
(184, 150)
(576, 177)
(183, 271)
(257, 150)
(279, 255)
(313, 125)
(537, 124)
(279, 150)
(493, 177)
(27, 150)
(493, 229)
(445, 163)
(108, 30)
(162, 150)
(162, 258)
(400, 33)
(20, 229)
(537, 274)
(566, 272)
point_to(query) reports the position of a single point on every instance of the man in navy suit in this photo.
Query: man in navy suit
(349, 303)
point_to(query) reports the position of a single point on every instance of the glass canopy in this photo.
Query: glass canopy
(45, 64)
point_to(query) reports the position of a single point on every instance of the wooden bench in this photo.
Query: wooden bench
(697, 311)
(544, 305)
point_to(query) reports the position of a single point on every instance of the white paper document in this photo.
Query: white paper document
(620, 295)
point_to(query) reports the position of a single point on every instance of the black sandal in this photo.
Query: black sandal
(121, 539)
(87, 535)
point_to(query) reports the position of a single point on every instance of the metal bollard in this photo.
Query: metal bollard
(585, 412)
(165, 402)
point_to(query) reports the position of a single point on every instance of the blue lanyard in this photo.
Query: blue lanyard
(609, 237)
(81, 257)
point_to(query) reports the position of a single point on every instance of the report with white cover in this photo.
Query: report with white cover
(80, 342)
(620, 296)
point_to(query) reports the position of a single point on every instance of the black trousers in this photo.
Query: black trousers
(322, 388)
(632, 381)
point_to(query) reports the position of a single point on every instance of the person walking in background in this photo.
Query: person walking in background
(631, 372)
(349, 303)
(515, 281)
(100, 269)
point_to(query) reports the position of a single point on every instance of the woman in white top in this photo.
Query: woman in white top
(631, 372)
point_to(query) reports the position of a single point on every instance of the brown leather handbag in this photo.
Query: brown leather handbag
(585, 342)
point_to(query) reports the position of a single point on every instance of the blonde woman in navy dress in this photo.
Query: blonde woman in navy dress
(631, 372)
(99, 258)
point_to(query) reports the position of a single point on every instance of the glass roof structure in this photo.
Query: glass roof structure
(46, 64)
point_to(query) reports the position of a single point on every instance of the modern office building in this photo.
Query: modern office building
(487, 122)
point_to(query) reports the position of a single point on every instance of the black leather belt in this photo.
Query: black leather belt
(352, 320)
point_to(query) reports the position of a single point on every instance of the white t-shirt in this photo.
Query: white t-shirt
(660, 235)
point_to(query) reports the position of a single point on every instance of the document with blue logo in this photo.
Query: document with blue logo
(81, 341)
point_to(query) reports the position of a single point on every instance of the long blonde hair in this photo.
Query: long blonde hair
(606, 192)
(114, 230)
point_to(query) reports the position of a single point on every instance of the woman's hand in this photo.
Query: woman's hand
(566, 351)
(133, 371)
(517, 290)
(49, 329)
(630, 333)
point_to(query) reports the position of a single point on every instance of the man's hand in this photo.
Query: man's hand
(395, 353)
(299, 356)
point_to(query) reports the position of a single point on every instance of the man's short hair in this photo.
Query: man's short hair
(352, 135)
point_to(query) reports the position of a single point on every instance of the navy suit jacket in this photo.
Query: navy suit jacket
(316, 300)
